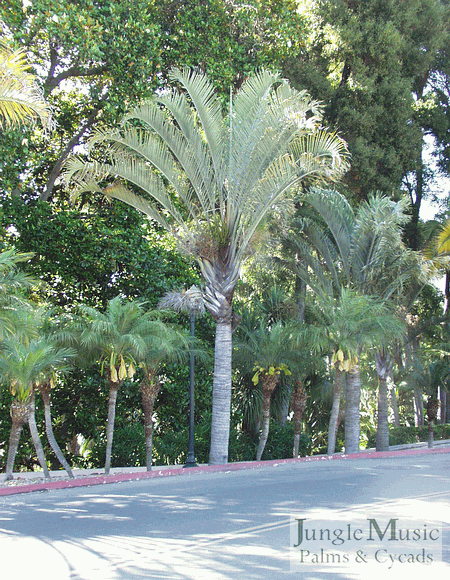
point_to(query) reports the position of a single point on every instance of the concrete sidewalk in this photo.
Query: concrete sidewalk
(27, 482)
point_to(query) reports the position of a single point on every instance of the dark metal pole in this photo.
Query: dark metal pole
(190, 462)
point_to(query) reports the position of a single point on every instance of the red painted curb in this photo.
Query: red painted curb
(134, 476)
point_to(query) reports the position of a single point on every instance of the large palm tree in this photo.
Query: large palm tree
(21, 99)
(339, 247)
(212, 178)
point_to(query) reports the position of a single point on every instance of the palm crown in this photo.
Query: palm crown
(226, 170)
(212, 178)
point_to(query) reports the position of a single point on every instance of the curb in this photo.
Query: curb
(136, 476)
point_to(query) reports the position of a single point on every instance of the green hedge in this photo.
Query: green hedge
(403, 435)
(171, 448)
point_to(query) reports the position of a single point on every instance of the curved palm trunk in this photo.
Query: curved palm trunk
(383, 364)
(269, 382)
(44, 389)
(113, 390)
(352, 402)
(221, 396)
(333, 425)
(36, 439)
(299, 404)
(150, 388)
(19, 415)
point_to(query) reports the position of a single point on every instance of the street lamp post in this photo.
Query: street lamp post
(190, 301)
(190, 462)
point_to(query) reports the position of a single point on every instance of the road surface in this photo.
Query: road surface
(234, 525)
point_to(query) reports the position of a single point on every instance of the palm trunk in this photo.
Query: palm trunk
(269, 382)
(44, 389)
(382, 416)
(299, 404)
(284, 407)
(221, 397)
(19, 415)
(150, 388)
(418, 406)
(432, 412)
(36, 439)
(352, 403)
(430, 434)
(338, 388)
(383, 365)
(113, 390)
(394, 403)
(443, 398)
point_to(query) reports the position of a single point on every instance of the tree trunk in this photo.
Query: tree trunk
(352, 403)
(299, 404)
(432, 412)
(418, 406)
(383, 364)
(394, 402)
(19, 415)
(113, 390)
(338, 388)
(285, 404)
(150, 388)
(431, 434)
(269, 382)
(44, 389)
(443, 407)
(221, 396)
(36, 439)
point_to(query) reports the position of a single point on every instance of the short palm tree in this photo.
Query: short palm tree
(212, 178)
(118, 340)
(343, 328)
(164, 344)
(266, 350)
(25, 363)
(21, 99)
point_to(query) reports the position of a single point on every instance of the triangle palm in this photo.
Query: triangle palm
(360, 249)
(212, 178)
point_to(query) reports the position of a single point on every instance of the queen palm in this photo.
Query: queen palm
(212, 178)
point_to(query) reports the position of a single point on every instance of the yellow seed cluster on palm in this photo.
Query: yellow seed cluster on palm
(124, 371)
(271, 371)
(343, 361)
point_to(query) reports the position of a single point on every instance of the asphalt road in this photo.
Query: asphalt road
(236, 525)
